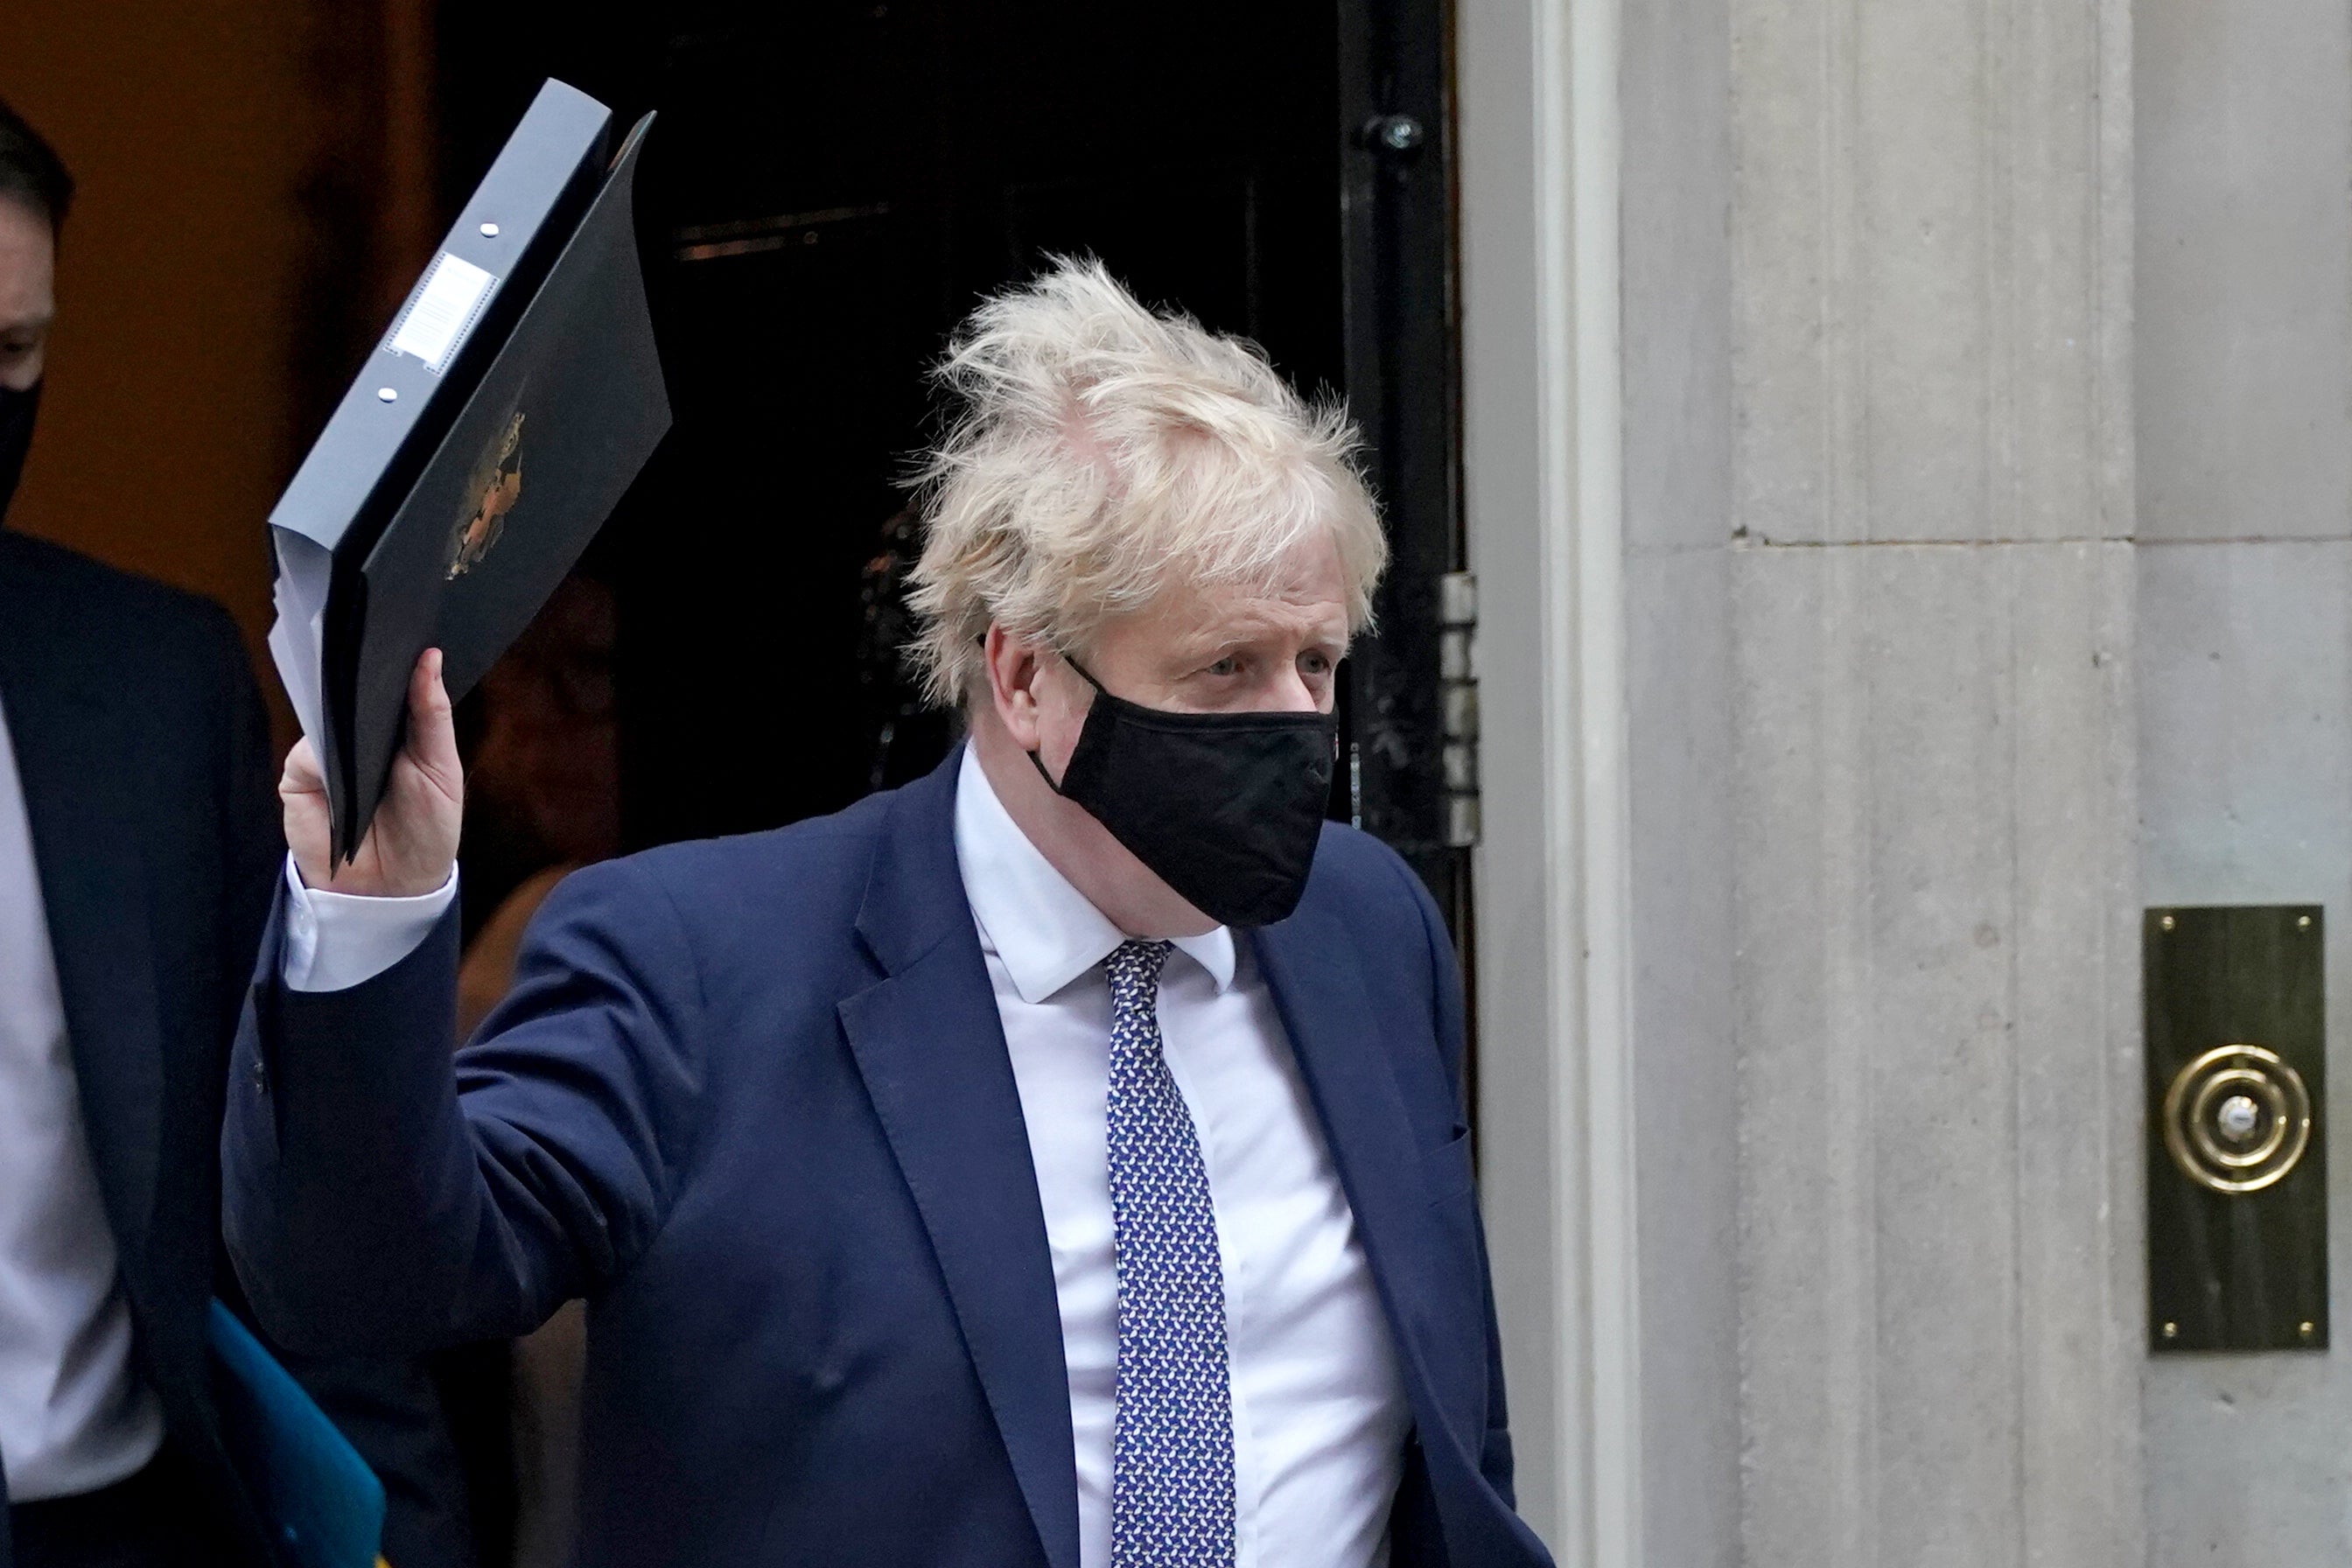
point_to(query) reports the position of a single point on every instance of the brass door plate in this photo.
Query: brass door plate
(2237, 1147)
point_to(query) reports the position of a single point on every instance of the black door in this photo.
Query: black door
(831, 188)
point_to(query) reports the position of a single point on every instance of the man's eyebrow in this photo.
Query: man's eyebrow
(22, 323)
(1340, 640)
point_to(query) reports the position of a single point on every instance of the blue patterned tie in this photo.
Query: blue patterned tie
(1171, 1492)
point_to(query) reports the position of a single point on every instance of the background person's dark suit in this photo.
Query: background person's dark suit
(144, 755)
(751, 1098)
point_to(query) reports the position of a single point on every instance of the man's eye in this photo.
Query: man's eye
(1229, 664)
(1314, 664)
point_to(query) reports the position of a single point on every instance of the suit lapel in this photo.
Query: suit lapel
(76, 757)
(1309, 960)
(931, 1046)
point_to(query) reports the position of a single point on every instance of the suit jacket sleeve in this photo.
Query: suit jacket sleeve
(388, 1406)
(379, 1200)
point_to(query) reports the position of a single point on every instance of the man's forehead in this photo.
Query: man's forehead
(1208, 618)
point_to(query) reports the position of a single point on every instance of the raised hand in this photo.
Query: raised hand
(413, 843)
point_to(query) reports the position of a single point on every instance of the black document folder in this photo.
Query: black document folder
(515, 398)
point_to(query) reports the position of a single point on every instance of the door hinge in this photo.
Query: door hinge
(1457, 684)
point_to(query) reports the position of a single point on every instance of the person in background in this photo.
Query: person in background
(1059, 1161)
(138, 846)
(547, 781)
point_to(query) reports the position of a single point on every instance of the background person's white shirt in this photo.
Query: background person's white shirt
(74, 1415)
(1319, 1417)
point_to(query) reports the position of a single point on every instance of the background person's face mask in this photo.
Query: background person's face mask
(17, 411)
(1225, 808)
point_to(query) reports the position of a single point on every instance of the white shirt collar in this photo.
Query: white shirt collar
(1029, 914)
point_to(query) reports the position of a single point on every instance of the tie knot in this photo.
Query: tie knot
(1134, 968)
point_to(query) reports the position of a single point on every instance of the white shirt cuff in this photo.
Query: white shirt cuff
(336, 941)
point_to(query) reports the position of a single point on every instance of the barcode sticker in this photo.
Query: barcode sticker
(437, 323)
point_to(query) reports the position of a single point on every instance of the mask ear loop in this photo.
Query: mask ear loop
(1039, 762)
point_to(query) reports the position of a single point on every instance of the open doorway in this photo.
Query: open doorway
(830, 188)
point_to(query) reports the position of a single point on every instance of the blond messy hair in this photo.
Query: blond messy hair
(1100, 455)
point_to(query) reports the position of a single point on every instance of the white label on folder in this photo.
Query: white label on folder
(434, 326)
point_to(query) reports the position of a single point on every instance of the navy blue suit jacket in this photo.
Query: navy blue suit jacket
(751, 1098)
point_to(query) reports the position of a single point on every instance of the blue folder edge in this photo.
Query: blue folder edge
(310, 1485)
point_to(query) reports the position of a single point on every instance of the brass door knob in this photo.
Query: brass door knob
(2237, 1119)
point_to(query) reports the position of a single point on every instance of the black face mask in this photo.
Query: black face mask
(1223, 808)
(17, 411)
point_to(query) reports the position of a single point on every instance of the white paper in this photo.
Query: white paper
(304, 570)
(433, 327)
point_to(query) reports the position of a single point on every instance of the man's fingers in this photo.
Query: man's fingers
(432, 733)
(301, 776)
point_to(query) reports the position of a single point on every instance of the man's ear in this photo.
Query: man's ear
(1014, 667)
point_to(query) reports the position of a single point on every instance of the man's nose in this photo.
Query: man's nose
(1291, 694)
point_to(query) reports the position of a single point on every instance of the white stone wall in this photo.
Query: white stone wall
(1986, 540)
(1934, 848)
(1678, 447)
(1935, 1027)
(2244, 394)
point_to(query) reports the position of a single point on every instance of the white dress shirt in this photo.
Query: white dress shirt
(363, 938)
(1319, 1417)
(74, 1415)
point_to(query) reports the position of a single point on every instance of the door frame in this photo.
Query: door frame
(1401, 327)
(1543, 459)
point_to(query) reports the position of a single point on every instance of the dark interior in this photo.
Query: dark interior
(828, 191)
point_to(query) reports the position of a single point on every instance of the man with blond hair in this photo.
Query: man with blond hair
(1058, 1161)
